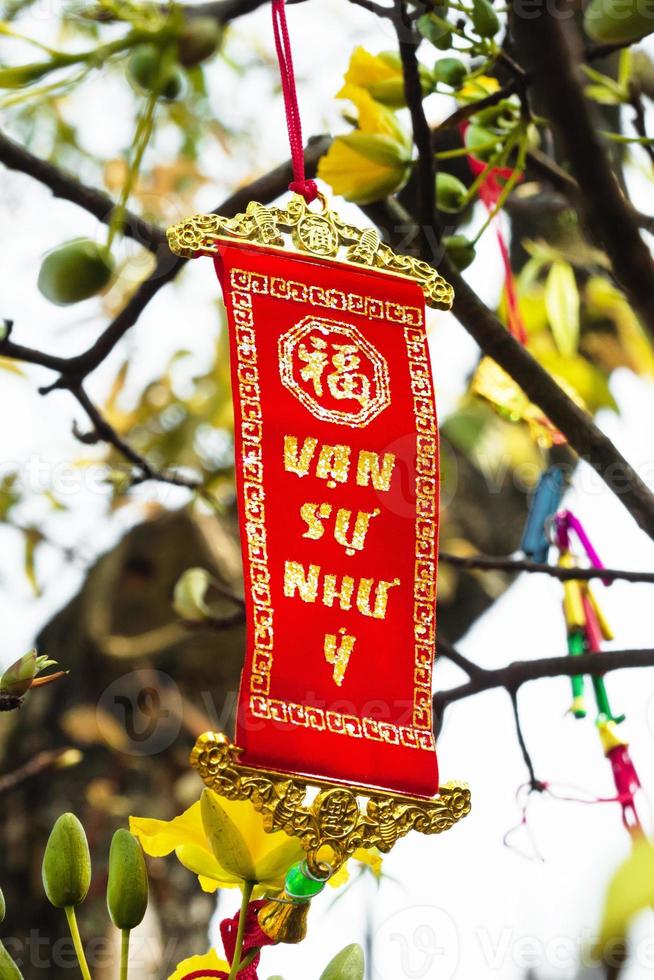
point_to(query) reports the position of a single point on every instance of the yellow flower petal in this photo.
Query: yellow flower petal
(272, 867)
(630, 891)
(161, 837)
(373, 117)
(208, 961)
(372, 859)
(358, 178)
(366, 69)
(202, 863)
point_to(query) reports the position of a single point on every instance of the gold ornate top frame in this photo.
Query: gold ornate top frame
(326, 817)
(324, 235)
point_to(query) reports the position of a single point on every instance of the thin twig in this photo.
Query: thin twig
(488, 563)
(103, 431)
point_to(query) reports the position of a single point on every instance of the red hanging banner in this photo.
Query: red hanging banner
(337, 474)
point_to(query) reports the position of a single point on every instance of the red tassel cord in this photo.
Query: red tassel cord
(490, 191)
(254, 938)
(299, 185)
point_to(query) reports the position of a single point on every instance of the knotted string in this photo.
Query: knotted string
(300, 185)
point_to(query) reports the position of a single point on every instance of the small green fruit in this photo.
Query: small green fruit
(127, 889)
(460, 250)
(349, 964)
(67, 863)
(450, 192)
(3, 907)
(481, 142)
(75, 271)
(484, 19)
(8, 969)
(198, 41)
(616, 21)
(144, 70)
(450, 71)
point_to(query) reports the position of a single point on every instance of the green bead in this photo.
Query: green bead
(300, 885)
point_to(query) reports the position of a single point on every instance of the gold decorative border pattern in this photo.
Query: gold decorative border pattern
(323, 235)
(321, 720)
(424, 588)
(334, 818)
(277, 287)
(424, 584)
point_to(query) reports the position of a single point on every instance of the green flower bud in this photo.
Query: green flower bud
(3, 907)
(8, 969)
(484, 19)
(460, 250)
(347, 965)
(18, 678)
(610, 21)
(377, 147)
(450, 71)
(127, 889)
(145, 72)
(450, 192)
(67, 863)
(198, 41)
(75, 271)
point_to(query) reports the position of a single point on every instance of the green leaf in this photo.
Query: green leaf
(8, 969)
(602, 95)
(562, 304)
(347, 965)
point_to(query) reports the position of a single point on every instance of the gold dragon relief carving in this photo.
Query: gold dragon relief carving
(334, 821)
(321, 234)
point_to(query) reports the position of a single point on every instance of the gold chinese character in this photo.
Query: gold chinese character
(346, 381)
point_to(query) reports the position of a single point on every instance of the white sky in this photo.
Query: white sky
(462, 906)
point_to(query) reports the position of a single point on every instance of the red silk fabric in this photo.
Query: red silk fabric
(337, 476)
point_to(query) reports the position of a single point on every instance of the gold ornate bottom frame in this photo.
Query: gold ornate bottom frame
(331, 825)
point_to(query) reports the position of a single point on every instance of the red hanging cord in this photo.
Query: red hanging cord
(300, 185)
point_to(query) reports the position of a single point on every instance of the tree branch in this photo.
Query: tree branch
(520, 672)
(67, 187)
(487, 563)
(544, 43)
(577, 426)
(73, 370)
(426, 169)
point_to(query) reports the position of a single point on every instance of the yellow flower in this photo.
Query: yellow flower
(381, 75)
(478, 88)
(241, 849)
(631, 890)
(223, 842)
(374, 160)
(210, 961)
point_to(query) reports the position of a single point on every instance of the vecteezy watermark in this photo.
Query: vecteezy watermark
(140, 713)
(419, 942)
